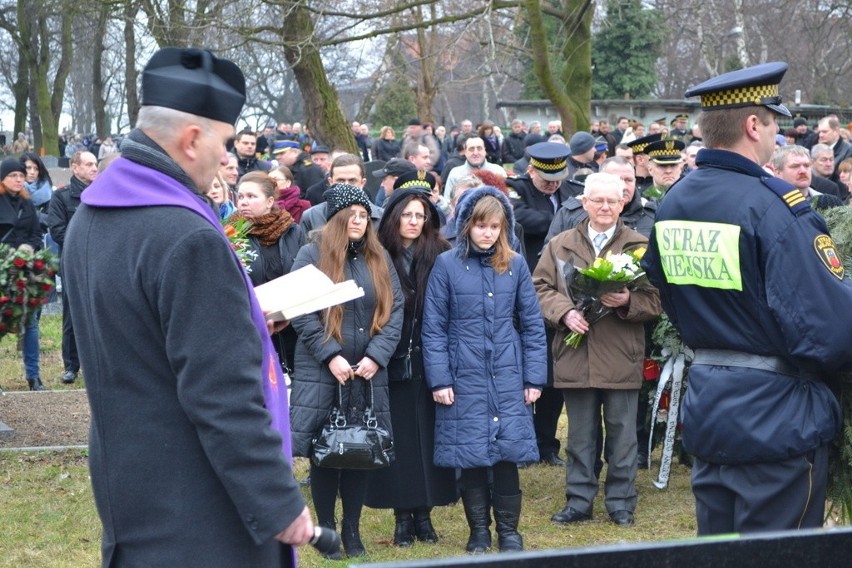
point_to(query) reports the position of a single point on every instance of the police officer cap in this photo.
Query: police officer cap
(320, 149)
(419, 179)
(395, 167)
(194, 81)
(550, 159)
(682, 117)
(752, 86)
(666, 151)
(638, 146)
(281, 145)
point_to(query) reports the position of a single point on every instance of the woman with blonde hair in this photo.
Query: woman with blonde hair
(345, 346)
(485, 356)
(385, 146)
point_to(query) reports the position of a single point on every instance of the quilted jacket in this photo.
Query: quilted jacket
(483, 335)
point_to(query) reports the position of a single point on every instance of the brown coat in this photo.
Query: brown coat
(611, 354)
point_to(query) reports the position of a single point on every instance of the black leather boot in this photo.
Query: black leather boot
(507, 513)
(423, 529)
(35, 384)
(403, 532)
(336, 555)
(351, 537)
(477, 509)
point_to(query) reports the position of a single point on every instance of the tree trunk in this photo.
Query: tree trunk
(576, 79)
(21, 90)
(322, 107)
(131, 8)
(102, 126)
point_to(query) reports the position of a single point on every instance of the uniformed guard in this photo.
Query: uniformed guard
(417, 179)
(536, 196)
(305, 172)
(678, 129)
(640, 158)
(750, 276)
(665, 164)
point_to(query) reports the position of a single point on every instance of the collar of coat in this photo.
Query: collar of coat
(464, 209)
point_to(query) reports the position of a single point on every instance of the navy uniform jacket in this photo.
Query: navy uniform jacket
(534, 212)
(743, 263)
(306, 174)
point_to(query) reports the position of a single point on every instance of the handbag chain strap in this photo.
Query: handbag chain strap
(338, 417)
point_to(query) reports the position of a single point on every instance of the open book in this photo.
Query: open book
(303, 291)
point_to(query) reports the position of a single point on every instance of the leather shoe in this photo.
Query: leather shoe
(69, 377)
(622, 518)
(570, 515)
(552, 459)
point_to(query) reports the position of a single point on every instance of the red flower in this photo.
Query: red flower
(20, 262)
(230, 231)
(44, 300)
(4, 299)
(47, 286)
(19, 299)
(33, 302)
(21, 284)
(2, 327)
(651, 370)
(8, 312)
(38, 264)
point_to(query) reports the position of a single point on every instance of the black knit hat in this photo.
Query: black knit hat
(194, 81)
(341, 196)
(10, 165)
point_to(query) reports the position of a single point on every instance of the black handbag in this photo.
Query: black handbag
(399, 368)
(342, 445)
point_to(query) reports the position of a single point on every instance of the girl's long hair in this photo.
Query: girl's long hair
(43, 173)
(487, 208)
(426, 249)
(333, 248)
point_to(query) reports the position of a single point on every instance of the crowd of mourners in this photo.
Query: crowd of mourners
(457, 237)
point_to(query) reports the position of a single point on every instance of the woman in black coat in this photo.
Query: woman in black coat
(342, 348)
(20, 229)
(412, 485)
(386, 146)
(275, 238)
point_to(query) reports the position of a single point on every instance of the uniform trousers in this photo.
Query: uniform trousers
(584, 417)
(782, 495)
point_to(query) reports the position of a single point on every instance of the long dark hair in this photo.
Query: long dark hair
(43, 174)
(425, 250)
(333, 247)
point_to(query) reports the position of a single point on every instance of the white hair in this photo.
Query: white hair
(604, 182)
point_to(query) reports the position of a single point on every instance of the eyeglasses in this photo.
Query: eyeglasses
(357, 215)
(598, 202)
(408, 216)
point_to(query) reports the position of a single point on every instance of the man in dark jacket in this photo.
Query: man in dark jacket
(245, 147)
(305, 173)
(63, 204)
(513, 144)
(209, 484)
(535, 197)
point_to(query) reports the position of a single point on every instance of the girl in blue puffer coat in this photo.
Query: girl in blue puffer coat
(485, 356)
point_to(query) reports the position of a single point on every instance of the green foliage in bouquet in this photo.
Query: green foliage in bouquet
(26, 279)
(839, 221)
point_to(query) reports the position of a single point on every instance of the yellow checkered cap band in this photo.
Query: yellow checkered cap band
(756, 95)
(674, 154)
(639, 148)
(416, 183)
(547, 166)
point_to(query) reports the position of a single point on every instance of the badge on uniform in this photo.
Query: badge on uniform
(827, 252)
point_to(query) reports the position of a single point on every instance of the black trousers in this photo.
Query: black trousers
(70, 359)
(749, 498)
(548, 408)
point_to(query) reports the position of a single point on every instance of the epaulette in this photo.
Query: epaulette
(307, 162)
(794, 198)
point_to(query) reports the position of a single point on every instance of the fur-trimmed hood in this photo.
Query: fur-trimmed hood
(465, 206)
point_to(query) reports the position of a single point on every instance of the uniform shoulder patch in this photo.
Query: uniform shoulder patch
(794, 198)
(513, 194)
(307, 162)
(827, 253)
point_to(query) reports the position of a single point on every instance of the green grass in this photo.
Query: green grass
(12, 376)
(49, 520)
